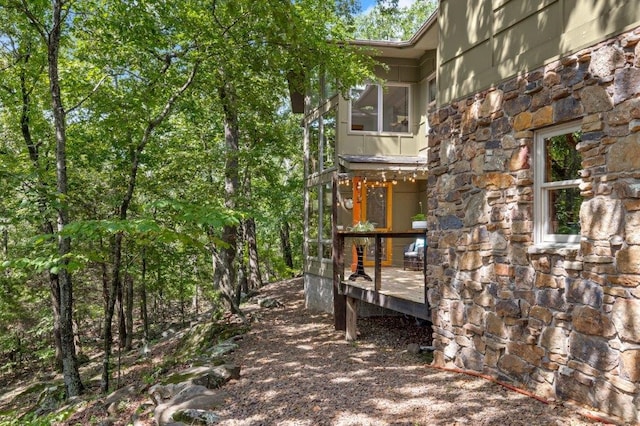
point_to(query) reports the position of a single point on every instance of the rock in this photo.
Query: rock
(49, 399)
(223, 348)
(196, 417)
(120, 395)
(168, 333)
(585, 292)
(626, 317)
(193, 397)
(588, 320)
(269, 302)
(593, 351)
(213, 377)
(596, 99)
(413, 348)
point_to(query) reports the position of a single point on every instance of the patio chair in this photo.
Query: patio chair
(414, 255)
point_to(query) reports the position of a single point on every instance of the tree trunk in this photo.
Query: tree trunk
(111, 296)
(143, 297)
(243, 280)
(73, 384)
(46, 227)
(225, 257)
(255, 276)
(122, 326)
(128, 280)
(285, 243)
(5, 242)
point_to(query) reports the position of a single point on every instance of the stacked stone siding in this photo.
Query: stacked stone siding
(563, 321)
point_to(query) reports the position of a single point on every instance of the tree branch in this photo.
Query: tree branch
(95, 89)
(35, 22)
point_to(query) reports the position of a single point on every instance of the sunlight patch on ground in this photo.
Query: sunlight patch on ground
(305, 347)
(342, 380)
(352, 419)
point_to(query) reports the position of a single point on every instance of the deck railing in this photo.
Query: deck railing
(339, 277)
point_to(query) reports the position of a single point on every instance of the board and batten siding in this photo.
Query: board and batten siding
(484, 42)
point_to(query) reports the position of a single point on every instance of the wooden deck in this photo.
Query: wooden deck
(396, 282)
(393, 287)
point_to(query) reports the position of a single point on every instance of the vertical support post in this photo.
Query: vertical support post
(337, 258)
(351, 332)
(378, 263)
(424, 271)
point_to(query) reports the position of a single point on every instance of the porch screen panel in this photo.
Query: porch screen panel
(314, 222)
(314, 147)
(329, 139)
(377, 214)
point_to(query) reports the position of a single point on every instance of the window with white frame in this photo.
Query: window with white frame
(376, 108)
(556, 184)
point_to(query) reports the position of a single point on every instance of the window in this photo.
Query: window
(431, 89)
(556, 181)
(314, 221)
(322, 142)
(329, 139)
(314, 147)
(375, 108)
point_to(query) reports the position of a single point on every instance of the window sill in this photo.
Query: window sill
(376, 133)
(562, 249)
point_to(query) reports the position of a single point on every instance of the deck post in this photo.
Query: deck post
(378, 263)
(351, 332)
(337, 257)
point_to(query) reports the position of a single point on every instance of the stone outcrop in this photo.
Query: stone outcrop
(563, 321)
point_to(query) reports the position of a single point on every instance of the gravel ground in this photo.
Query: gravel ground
(297, 370)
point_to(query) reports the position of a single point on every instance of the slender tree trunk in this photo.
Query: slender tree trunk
(143, 296)
(122, 326)
(255, 276)
(5, 242)
(285, 244)
(225, 257)
(111, 296)
(243, 279)
(46, 227)
(73, 384)
(128, 280)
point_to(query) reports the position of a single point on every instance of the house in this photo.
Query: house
(516, 125)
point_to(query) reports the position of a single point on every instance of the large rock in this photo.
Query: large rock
(630, 365)
(623, 155)
(191, 398)
(554, 340)
(592, 321)
(514, 366)
(593, 351)
(626, 317)
(584, 292)
(595, 99)
(605, 60)
(628, 261)
(626, 84)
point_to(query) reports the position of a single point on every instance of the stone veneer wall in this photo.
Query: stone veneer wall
(562, 322)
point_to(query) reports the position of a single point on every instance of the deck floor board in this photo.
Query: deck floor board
(396, 282)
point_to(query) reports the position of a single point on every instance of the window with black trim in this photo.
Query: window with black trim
(556, 184)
